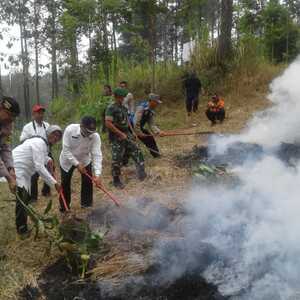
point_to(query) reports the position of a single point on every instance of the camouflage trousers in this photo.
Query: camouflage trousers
(119, 148)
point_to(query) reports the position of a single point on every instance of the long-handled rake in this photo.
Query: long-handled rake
(104, 190)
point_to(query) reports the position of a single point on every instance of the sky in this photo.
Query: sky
(12, 32)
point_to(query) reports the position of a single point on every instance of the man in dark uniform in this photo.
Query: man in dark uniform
(122, 139)
(9, 110)
(144, 116)
(192, 87)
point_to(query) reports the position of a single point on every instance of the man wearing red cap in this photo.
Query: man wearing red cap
(37, 127)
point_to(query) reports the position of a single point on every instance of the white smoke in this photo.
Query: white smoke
(255, 227)
(278, 124)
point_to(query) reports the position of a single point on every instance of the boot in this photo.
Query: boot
(141, 174)
(118, 183)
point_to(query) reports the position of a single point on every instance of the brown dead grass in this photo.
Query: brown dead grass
(22, 261)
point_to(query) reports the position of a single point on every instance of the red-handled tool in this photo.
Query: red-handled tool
(104, 190)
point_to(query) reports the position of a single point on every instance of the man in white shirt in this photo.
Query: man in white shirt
(30, 157)
(82, 151)
(37, 127)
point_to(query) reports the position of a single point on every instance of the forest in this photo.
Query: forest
(89, 43)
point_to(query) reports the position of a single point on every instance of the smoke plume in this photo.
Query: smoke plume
(252, 230)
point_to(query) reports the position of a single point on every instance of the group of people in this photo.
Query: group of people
(215, 107)
(127, 124)
(81, 150)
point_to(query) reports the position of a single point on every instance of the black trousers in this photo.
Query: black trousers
(214, 116)
(150, 143)
(86, 188)
(192, 102)
(21, 214)
(34, 187)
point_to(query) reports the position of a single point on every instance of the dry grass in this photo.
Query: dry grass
(22, 261)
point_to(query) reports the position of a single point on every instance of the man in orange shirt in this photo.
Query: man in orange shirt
(215, 110)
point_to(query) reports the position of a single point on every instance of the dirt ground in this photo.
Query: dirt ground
(22, 261)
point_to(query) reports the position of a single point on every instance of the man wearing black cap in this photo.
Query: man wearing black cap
(9, 110)
(122, 140)
(144, 116)
(82, 151)
(37, 127)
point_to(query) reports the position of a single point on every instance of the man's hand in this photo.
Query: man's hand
(12, 173)
(50, 166)
(58, 187)
(162, 133)
(81, 168)
(122, 136)
(142, 135)
(98, 181)
(12, 184)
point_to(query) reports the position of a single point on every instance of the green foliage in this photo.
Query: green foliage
(78, 242)
(281, 35)
(167, 78)
(72, 236)
(93, 103)
(63, 111)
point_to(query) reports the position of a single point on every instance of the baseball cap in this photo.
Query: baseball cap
(120, 92)
(154, 97)
(38, 107)
(53, 128)
(11, 105)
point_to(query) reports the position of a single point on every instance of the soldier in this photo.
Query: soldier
(122, 139)
(37, 127)
(144, 116)
(9, 110)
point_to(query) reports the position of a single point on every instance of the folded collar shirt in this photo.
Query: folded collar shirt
(34, 129)
(79, 149)
(31, 157)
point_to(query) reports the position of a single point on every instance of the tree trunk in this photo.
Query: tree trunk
(36, 49)
(105, 46)
(24, 58)
(115, 57)
(90, 48)
(54, 76)
(152, 48)
(1, 88)
(225, 44)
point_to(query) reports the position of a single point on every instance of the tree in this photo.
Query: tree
(225, 43)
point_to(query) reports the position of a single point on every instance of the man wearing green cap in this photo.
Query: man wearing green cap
(116, 120)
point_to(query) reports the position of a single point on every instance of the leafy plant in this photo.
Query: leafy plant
(72, 236)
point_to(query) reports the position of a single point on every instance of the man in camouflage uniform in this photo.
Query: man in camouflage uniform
(122, 139)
